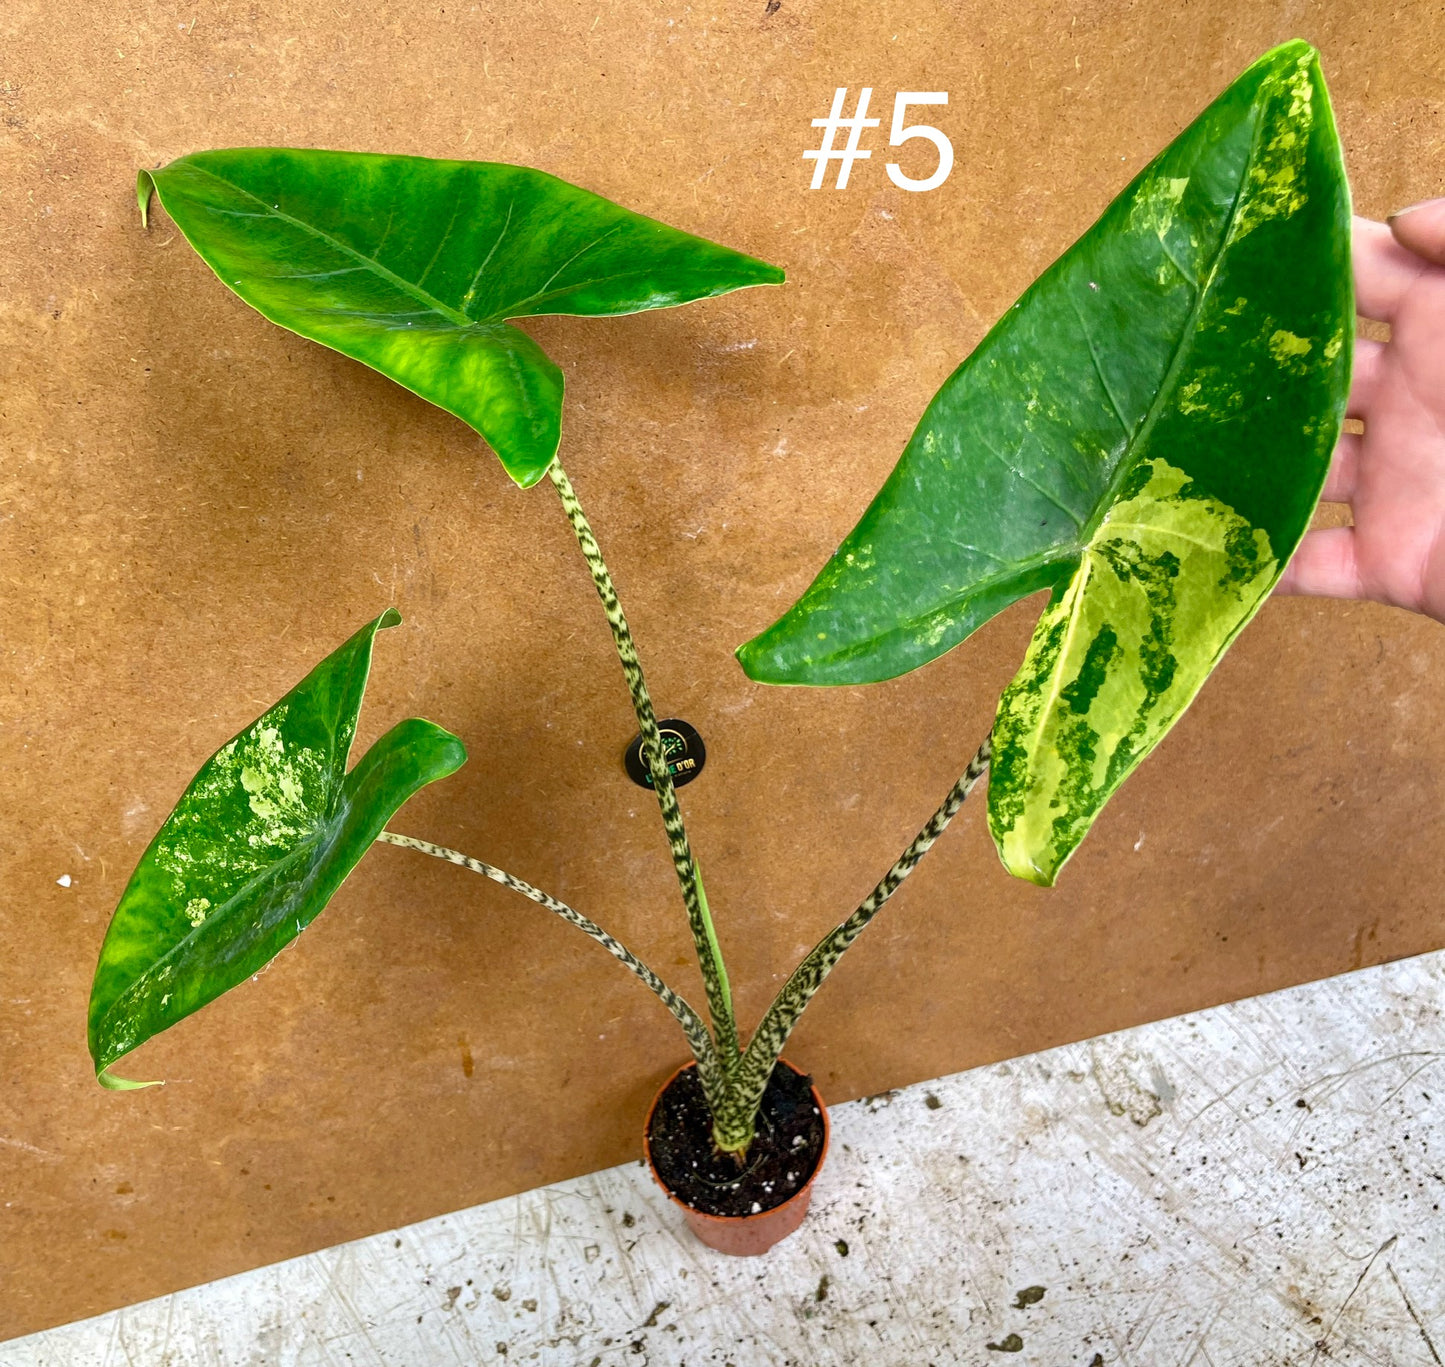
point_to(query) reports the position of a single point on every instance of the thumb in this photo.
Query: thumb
(1421, 229)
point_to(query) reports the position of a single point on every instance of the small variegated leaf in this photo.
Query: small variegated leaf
(262, 837)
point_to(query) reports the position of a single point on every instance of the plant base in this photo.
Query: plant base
(739, 1210)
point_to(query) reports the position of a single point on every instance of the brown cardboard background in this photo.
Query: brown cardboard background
(194, 506)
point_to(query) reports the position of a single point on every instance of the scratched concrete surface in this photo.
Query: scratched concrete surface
(1257, 1184)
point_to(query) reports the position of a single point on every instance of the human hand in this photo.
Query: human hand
(1393, 474)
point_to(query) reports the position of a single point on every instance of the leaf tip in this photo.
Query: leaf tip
(1027, 870)
(449, 753)
(1040, 878)
(111, 1083)
(528, 478)
(752, 658)
(455, 752)
(528, 457)
(390, 618)
(145, 185)
(1293, 50)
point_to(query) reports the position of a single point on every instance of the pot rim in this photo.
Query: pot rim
(692, 1211)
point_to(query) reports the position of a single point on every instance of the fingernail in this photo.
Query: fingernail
(1410, 209)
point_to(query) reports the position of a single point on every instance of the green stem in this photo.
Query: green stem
(709, 954)
(733, 1124)
(708, 1064)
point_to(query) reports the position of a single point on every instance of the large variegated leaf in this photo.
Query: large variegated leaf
(257, 845)
(413, 266)
(1146, 432)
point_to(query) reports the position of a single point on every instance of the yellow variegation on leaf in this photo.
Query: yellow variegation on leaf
(1167, 581)
(1145, 433)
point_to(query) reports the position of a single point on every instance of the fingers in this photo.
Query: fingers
(1344, 470)
(1365, 376)
(1324, 565)
(1384, 268)
(1421, 229)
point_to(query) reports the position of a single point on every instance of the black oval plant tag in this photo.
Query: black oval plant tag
(682, 747)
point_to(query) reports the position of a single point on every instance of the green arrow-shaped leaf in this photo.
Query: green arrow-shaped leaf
(413, 266)
(1146, 432)
(260, 840)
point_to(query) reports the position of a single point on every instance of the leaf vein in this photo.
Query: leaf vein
(1099, 369)
(445, 238)
(547, 284)
(1028, 479)
(1174, 261)
(469, 297)
(345, 249)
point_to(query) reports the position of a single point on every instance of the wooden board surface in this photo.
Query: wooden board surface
(194, 506)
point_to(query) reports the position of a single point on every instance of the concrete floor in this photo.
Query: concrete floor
(1257, 1184)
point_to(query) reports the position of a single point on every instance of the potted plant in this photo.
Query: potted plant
(1145, 434)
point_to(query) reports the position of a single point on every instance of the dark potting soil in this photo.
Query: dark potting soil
(783, 1156)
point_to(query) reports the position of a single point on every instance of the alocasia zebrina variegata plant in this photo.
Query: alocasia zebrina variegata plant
(1145, 434)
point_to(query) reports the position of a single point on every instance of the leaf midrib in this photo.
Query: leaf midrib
(405, 286)
(320, 839)
(1128, 460)
(1139, 440)
(422, 296)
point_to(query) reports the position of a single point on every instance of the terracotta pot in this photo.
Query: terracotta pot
(742, 1236)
